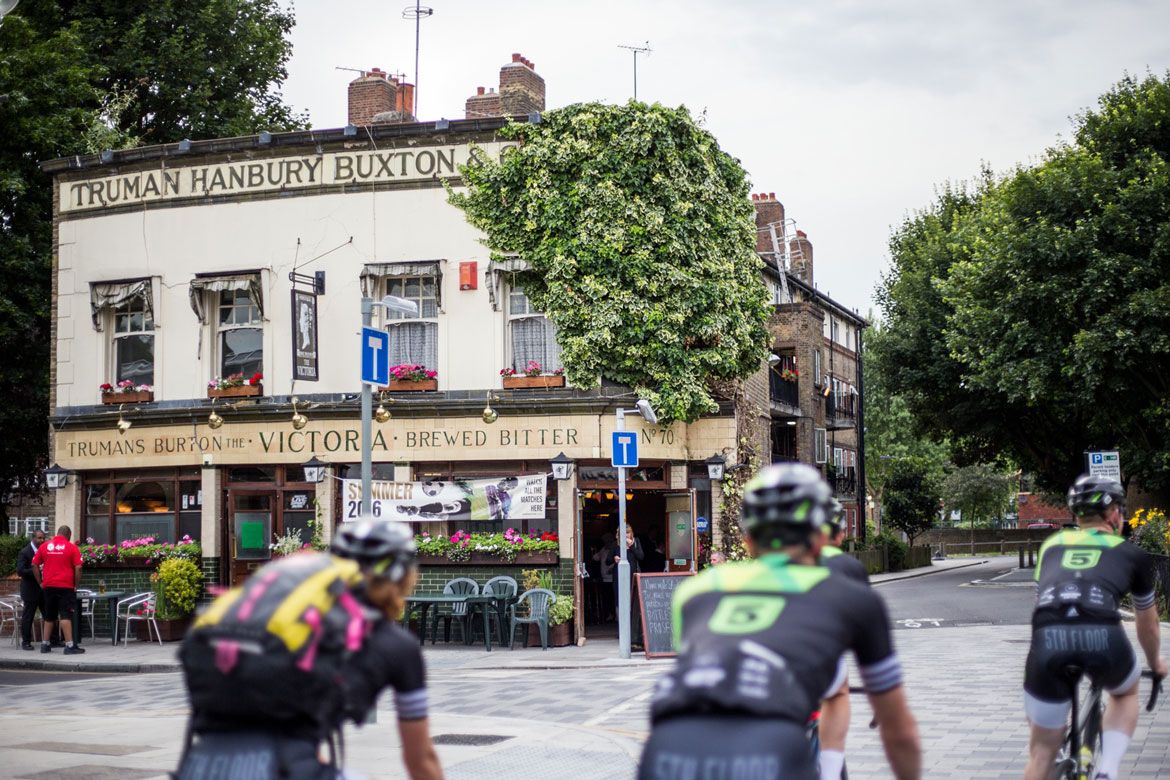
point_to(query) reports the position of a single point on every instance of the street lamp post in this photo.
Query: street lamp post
(623, 569)
(402, 306)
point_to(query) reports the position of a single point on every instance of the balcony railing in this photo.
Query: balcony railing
(783, 382)
(841, 410)
(844, 483)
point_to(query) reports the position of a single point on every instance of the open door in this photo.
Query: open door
(681, 537)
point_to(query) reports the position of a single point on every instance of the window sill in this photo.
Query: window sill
(241, 391)
(529, 382)
(135, 397)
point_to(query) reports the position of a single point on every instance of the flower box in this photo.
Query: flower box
(239, 391)
(132, 397)
(412, 385)
(520, 382)
(170, 630)
(486, 559)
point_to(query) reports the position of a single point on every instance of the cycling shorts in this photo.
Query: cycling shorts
(693, 747)
(1101, 650)
(253, 756)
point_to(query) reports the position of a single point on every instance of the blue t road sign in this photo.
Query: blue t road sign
(375, 356)
(625, 449)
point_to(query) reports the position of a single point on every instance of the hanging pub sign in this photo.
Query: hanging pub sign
(488, 500)
(304, 332)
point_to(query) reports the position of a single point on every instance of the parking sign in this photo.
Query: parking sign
(1106, 463)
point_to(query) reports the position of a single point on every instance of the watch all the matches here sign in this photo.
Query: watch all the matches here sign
(497, 499)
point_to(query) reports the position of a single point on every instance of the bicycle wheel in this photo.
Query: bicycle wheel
(1091, 734)
(1065, 768)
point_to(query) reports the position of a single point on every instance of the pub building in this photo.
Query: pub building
(180, 266)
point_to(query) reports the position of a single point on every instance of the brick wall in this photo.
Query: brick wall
(521, 88)
(482, 104)
(128, 581)
(433, 577)
(798, 328)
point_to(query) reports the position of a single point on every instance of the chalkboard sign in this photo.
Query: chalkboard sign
(655, 592)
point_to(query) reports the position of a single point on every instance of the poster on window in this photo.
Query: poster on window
(304, 330)
(499, 499)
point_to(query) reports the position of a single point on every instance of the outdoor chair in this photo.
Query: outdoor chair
(128, 610)
(460, 586)
(10, 613)
(38, 626)
(85, 610)
(537, 601)
(502, 588)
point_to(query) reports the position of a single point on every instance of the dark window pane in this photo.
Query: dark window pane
(379, 470)
(136, 359)
(299, 521)
(190, 496)
(160, 526)
(146, 497)
(242, 351)
(252, 474)
(254, 502)
(191, 524)
(97, 528)
(301, 500)
(97, 499)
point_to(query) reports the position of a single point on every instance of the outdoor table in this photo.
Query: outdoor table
(111, 598)
(423, 602)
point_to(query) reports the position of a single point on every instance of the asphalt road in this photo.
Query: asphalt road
(993, 593)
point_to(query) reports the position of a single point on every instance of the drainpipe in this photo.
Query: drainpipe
(861, 489)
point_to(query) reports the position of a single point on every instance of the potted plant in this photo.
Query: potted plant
(126, 392)
(236, 386)
(560, 621)
(412, 377)
(288, 544)
(177, 584)
(533, 376)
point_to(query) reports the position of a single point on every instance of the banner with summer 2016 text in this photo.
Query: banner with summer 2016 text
(486, 500)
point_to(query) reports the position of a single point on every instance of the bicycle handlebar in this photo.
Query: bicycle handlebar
(1155, 689)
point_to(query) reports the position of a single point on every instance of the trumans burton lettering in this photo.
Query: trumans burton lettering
(287, 173)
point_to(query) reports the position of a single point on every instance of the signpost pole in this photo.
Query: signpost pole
(624, 564)
(367, 399)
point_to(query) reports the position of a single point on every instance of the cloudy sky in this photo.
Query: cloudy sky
(851, 111)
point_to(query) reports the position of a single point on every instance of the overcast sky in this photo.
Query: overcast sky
(851, 111)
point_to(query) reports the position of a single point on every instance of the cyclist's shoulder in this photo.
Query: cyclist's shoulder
(829, 551)
(757, 575)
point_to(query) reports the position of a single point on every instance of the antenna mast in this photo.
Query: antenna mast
(418, 13)
(636, 50)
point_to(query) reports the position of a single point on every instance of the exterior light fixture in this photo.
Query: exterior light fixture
(562, 467)
(442, 124)
(56, 477)
(299, 421)
(123, 423)
(715, 465)
(185, 145)
(647, 411)
(214, 421)
(382, 414)
(264, 138)
(315, 470)
(791, 422)
(490, 415)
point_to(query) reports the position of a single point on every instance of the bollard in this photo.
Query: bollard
(1020, 550)
(1031, 555)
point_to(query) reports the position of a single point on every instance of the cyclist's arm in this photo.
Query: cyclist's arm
(418, 752)
(899, 733)
(1148, 634)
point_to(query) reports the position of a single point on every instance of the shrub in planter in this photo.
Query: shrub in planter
(179, 585)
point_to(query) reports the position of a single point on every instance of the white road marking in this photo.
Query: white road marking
(618, 708)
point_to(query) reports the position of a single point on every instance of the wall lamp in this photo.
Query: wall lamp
(490, 415)
(562, 467)
(56, 477)
(315, 470)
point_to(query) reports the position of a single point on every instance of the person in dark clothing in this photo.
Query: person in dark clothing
(634, 555)
(30, 589)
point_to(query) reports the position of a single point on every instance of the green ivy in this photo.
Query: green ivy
(640, 240)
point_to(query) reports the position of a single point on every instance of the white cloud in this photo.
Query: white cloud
(851, 111)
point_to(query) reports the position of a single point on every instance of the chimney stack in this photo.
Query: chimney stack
(521, 92)
(370, 94)
(768, 211)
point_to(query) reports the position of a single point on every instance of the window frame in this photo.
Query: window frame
(115, 480)
(221, 328)
(531, 314)
(113, 315)
(820, 445)
(391, 319)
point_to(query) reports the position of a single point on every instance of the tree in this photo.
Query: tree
(640, 240)
(79, 77)
(911, 499)
(980, 492)
(1031, 314)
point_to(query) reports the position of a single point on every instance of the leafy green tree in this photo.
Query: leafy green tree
(1031, 315)
(189, 68)
(980, 491)
(911, 500)
(640, 237)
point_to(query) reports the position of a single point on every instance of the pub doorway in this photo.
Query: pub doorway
(263, 503)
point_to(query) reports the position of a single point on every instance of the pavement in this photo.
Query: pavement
(579, 712)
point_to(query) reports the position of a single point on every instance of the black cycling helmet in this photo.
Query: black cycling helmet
(785, 496)
(836, 512)
(382, 547)
(1093, 495)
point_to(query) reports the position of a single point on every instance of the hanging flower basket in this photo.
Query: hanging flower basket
(521, 382)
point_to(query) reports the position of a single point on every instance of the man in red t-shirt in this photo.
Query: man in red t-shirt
(57, 567)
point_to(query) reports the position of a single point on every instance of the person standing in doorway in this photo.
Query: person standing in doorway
(57, 566)
(634, 555)
(30, 589)
(605, 561)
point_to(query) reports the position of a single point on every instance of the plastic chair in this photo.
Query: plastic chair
(127, 612)
(538, 601)
(86, 610)
(460, 586)
(502, 588)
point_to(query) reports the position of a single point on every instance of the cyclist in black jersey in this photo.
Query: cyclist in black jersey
(835, 709)
(1082, 575)
(759, 646)
(389, 657)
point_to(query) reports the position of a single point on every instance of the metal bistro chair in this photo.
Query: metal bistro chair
(460, 586)
(538, 601)
(85, 609)
(501, 587)
(127, 612)
(10, 613)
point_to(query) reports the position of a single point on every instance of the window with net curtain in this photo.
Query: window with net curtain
(533, 336)
(134, 341)
(414, 339)
(241, 334)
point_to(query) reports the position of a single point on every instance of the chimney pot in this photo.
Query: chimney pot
(755, 196)
(772, 195)
(801, 234)
(479, 90)
(515, 56)
(531, 64)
